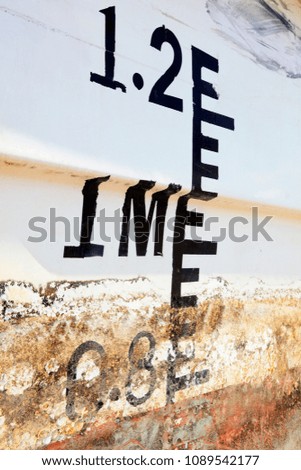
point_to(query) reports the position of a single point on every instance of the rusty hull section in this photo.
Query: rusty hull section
(224, 375)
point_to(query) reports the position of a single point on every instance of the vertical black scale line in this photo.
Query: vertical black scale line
(110, 42)
(201, 59)
(182, 246)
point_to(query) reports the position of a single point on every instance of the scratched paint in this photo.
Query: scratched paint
(268, 31)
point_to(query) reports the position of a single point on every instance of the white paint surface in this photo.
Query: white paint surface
(30, 193)
(52, 114)
(50, 110)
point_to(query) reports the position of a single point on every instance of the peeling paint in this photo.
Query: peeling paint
(243, 342)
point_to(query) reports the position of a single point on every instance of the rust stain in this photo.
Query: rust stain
(237, 417)
(251, 347)
(16, 167)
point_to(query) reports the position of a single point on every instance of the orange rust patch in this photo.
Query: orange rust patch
(237, 417)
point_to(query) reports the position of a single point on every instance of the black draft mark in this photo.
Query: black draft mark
(181, 247)
(157, 95)
(144, 363)
(86, 248)
(138, 362)
(200, 142)
(110, 37)
(177, 358)
(72, 372)
(200, 170)
(136, 195)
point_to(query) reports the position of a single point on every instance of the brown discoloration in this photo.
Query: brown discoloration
(16, 167)
(237, 417)
(290, 9)
(214, 315)
(247, 346)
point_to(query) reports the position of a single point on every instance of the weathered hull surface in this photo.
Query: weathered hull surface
(247, 349)
(114, 335)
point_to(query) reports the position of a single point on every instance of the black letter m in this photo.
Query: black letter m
(142, 224)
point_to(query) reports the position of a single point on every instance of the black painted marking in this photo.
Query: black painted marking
(208, 143)
(177, 357)
(272, 37)
(138, 81)
(72, 372)
(114, 394)
(199, 169)
(189, 275)
(202, 377)
(194, 219)
(145, 363)
(182, 246)
(157, 95)
(86, 248)
(142, 224)
(208, 90)
(286, 23)
(99, 405)
(216, 119)
(107, 80)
